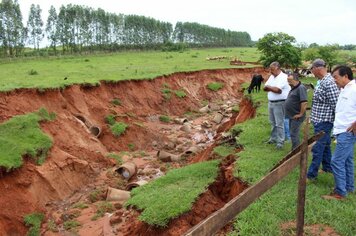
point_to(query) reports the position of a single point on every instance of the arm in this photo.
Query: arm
(268, 88)
(303, 108)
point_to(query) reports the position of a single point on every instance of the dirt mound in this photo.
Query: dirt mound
(78, 157)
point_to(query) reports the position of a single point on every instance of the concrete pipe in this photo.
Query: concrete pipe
(218, 118)
(84, 120)
(95, 130)
(127, 170)
(192, 150)
(117, 195)
(205, 109)
(186, 127)
(166, 156)
(180, 120)
(136, 184)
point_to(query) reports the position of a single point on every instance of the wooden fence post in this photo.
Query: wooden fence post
(302, 180)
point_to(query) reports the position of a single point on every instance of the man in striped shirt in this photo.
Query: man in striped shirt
(322, 116)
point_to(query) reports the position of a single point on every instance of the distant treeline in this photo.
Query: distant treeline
(77, 29)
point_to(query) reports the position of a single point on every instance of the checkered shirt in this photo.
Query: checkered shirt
(324, 100)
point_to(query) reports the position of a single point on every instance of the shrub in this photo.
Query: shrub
(131, 146)
(116, 102)
(118, 128)
(215, 86)
(34, 220)
(71, 224)
(110, 119)
(165, 119)
(166, 93)
(180, 93)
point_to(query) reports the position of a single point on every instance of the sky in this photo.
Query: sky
(309, 21)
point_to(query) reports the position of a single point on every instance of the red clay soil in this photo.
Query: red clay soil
(77, 158)
(218, 194)
(289, 229)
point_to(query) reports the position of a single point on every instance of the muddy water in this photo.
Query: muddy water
(77, 169)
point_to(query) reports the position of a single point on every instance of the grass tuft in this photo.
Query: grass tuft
(215, 86)
(22, 136)
(34, 221)
(118, 128)
(174, 193)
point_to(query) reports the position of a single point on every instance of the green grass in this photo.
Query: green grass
(164, 118)
(34, 221)
(102, 208)
(118, 128)
(278, 205)
(90, 69)
(173, 194)
(224, 151)
(180, 93)
(215, 86)
(110, 119)
(22, 136)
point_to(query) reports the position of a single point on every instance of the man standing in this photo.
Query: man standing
(322, 116)
(295, 108)
(342, 162)
(277, 87)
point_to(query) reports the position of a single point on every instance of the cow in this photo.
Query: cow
(255, 83)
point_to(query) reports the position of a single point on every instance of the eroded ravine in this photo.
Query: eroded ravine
(77, 162)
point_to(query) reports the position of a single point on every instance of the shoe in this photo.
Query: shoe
(279, 146)
(333, 196)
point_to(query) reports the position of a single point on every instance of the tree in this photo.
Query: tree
(329, 54)
(51, 29)
(34, 26)
(11, 28)
(278, 47)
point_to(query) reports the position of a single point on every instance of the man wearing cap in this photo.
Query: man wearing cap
(322, 116)
(295, 107)
(277, 87)
(342, 162)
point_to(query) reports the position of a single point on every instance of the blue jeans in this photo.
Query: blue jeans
(342, 163)
(321, 150)
(276, 118)
(286, 129)
(294, 126)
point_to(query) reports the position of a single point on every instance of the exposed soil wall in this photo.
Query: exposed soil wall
(78, 157)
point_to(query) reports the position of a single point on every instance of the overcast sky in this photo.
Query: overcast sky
(309, 21)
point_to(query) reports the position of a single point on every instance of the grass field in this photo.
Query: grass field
(278, 205)
(58, 72)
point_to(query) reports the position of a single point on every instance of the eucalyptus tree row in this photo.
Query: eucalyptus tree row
(78, 28)
(12, 31)
(206, 36)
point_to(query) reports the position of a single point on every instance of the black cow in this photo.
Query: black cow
(255, 83)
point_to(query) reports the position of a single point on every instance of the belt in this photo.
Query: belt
(282, 100)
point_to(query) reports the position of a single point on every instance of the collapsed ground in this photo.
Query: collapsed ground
(77, 165)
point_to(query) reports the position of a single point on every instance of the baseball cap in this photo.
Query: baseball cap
(318, 63)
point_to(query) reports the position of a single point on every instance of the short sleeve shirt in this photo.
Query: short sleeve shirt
(296, 96)
(281, 82)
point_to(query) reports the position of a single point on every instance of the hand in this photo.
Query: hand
(352, 128)
(297, 116)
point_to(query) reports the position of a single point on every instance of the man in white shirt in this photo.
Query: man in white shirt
(342, 161)
(278, 88)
